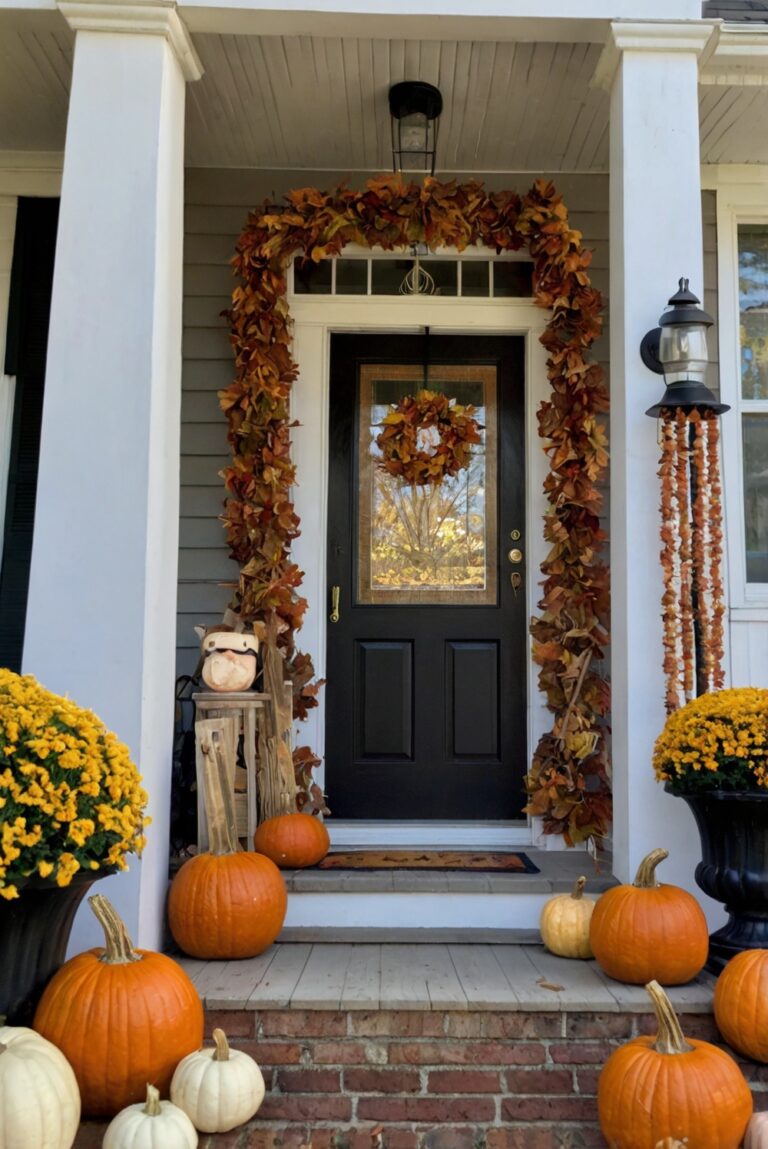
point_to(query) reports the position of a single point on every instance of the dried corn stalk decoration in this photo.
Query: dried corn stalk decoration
(691, 555)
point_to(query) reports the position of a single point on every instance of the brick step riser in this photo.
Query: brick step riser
(430, 1080)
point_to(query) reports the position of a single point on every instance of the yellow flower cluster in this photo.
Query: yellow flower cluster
(70, 796)
(717, 741)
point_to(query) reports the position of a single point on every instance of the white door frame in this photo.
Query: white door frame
(316, 318)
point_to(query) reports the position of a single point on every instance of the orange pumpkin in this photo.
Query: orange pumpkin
(121, 1017)
(649, 931)
(225, 904)
(293, 841)
(669, 1086)
(741, 1004)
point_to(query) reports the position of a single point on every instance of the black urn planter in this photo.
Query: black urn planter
(734, 868)
(34, 931)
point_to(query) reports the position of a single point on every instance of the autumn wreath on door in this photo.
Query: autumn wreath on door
(426, 438)
(567, 783)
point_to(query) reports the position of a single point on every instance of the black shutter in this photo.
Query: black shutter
(29, 312)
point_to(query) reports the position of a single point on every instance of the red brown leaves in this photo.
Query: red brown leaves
(455, 430)
(567, 784)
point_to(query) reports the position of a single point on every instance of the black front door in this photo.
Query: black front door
(426, 664)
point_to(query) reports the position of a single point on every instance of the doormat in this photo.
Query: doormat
(501, 862)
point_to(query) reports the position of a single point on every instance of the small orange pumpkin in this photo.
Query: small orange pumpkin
(293, 841)
(225, 904)
(741, 1004)
(669, 1086)
(649, 931)
(121, 1017)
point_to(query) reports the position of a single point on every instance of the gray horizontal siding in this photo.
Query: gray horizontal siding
(217, 206)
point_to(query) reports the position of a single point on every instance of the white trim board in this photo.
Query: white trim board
(366, 835)
(416, 911)
(30, 173)
(315, 319)
(740, 201)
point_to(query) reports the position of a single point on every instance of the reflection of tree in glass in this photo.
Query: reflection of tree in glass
(753, 303)
(429, 536)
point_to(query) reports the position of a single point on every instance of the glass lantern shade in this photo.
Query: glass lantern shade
(415, 108)
(683, 352)
(413, 143)
(677, 348)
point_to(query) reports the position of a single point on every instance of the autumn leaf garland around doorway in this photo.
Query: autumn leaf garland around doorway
(567, 783)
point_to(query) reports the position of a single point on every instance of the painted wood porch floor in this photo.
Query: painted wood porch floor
(423, 977)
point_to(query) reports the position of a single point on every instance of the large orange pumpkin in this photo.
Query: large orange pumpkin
(648, 931)
(669, 1086)
(293, 841)
(741, 1004)
(225, 904)
(121, 1017)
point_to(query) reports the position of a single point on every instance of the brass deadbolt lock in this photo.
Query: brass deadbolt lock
(514, 535)
(515, 555)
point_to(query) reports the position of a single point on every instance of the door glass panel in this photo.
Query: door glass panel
(432, 544)
(753, 308)
(755, 433)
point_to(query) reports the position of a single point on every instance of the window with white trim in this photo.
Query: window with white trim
(471, 276)
(753, 394)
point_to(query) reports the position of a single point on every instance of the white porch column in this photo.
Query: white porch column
(655, 237)
(102, 596)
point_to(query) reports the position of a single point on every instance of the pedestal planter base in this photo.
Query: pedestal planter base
(734, 868)
(34, 931)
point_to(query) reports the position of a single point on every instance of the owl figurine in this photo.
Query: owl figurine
(229, 661)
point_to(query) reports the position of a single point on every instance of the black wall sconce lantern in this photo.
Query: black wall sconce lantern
(677, 349)
(415, 109)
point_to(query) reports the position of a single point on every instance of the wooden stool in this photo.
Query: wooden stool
(244, 711)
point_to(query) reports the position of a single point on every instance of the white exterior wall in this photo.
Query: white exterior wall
(103, 569)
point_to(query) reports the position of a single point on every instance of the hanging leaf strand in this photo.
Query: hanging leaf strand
(701, 550)
(693, 604)
(670, 556)
(716, 552)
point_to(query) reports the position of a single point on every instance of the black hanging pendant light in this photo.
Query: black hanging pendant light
(415, 109)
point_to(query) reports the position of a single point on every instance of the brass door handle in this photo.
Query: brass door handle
(335, 592)
(515, 555)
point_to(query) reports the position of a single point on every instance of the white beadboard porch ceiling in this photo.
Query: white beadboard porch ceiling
(315, 102)
(321, 102)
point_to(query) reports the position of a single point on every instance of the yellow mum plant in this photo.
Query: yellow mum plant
(70, 796)
(716, 742)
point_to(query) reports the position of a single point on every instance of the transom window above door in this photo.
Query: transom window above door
(468, 278)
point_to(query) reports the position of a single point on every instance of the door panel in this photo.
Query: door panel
(426, 667)
(384, 683)
(472, 699)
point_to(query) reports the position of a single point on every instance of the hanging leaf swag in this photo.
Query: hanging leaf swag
(567, 784)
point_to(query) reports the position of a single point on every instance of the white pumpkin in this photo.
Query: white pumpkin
(39, 1097)
(218, 1088)
(565, 921)
(155, 1124)
(757, 1132)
